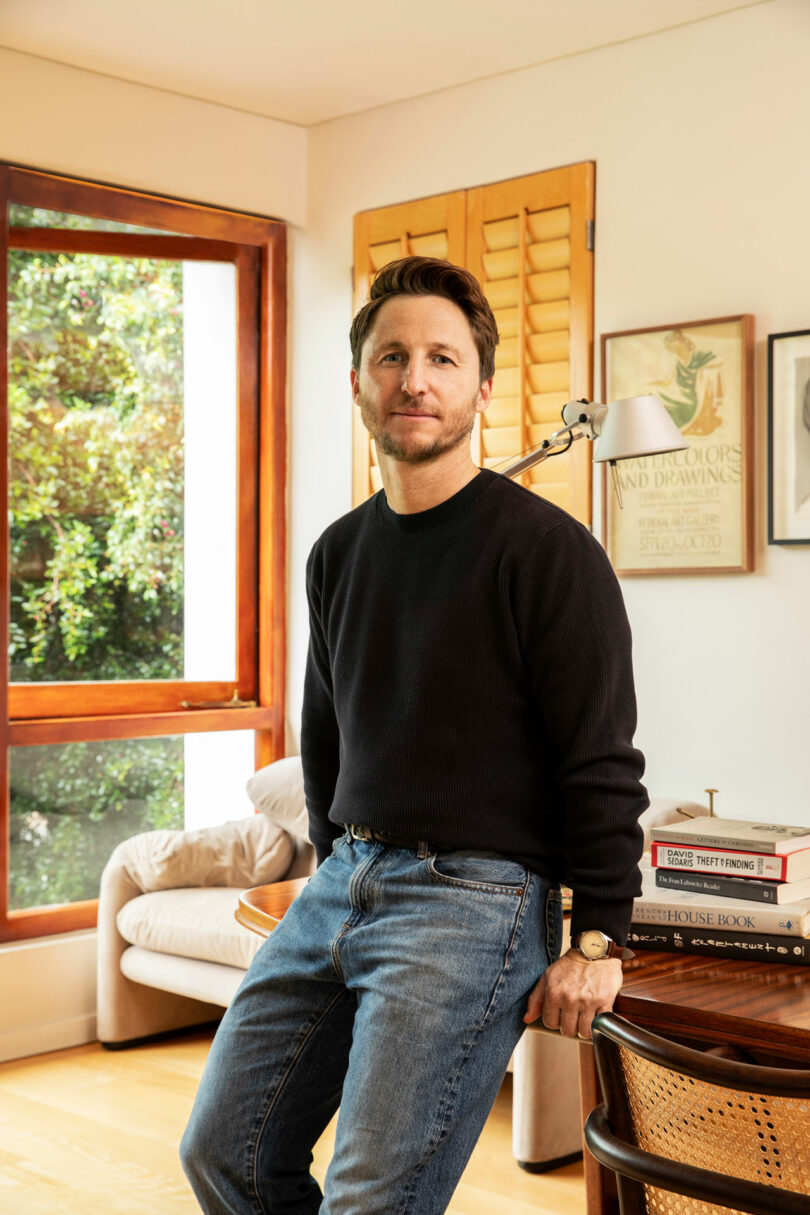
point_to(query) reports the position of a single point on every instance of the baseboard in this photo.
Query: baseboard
(54, 1035)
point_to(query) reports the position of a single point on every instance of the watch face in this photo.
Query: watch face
(593, 944)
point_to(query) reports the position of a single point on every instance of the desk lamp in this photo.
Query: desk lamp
(624, 430)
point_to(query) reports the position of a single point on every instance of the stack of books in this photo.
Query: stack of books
(727, 888)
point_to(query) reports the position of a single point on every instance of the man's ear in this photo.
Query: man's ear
(355, 382)
(484, 395)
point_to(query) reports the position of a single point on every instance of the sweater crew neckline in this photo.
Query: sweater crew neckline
(450, 509)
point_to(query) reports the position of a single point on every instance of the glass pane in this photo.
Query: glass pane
(20, 216)
(72, 803)
(122, 396)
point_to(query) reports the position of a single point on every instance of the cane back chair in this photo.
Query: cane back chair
(690, 1133)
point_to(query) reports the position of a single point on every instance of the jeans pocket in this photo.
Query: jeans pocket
(554, 923)
(484, 871)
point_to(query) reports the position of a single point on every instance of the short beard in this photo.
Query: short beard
(389, 446)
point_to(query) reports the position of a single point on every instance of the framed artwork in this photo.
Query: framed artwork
(687, 511)
(789, 438)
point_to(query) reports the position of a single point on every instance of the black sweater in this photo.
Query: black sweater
(469, 683)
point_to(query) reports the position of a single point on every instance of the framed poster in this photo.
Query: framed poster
(789, 438)
(687, 511)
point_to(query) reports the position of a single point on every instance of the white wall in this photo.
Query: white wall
(86, 125)
(703, 182)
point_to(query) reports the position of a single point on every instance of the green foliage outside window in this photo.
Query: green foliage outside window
(73, 802)
(96, 530)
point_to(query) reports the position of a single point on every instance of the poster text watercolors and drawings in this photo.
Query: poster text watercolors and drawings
(684, 510)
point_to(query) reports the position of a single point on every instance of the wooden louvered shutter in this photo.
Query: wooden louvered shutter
(432, 227)
(527, 245)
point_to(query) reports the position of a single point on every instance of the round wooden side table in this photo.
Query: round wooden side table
(261, 907)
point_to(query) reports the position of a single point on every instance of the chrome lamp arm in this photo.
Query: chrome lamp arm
(626, 429)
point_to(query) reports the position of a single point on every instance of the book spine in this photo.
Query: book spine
(779, 921)
(718, 860)
(684, 839)
(749, 946)
(718, 886)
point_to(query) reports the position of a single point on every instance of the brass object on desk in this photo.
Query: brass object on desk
(711, 814)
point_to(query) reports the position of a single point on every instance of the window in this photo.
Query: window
(143, 398)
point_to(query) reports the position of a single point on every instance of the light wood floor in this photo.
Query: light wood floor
(93, 1132)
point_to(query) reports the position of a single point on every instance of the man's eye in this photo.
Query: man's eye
(392, 357)
(442, 358)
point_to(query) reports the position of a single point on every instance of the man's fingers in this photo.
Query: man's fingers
(574, 991)
(535, 1004)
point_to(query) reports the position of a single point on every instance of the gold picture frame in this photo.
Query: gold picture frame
(690, 511)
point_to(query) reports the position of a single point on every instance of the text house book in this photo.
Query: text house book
(689, 909)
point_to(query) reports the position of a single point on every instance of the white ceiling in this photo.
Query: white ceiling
(312, 60)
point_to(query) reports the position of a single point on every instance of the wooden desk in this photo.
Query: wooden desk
(761, 1007)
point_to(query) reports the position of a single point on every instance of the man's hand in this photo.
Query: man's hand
(572, 991)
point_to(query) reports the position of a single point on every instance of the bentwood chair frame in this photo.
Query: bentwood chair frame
(675, 1119)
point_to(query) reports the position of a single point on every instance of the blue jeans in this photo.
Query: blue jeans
(394, 988)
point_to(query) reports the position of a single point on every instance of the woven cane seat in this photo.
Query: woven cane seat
(735, 1122)
(745, 1135)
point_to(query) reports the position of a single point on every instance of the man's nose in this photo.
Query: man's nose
(415, 378)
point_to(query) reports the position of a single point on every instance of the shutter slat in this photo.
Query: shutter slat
(503, 264)
(502, 293)
(508, 320)
(555, 285)
(545, 317)
(432, 244)
(548, 347)
(381, 255)
(547, 407)
(507, 382)
(500, 441)
(550, 255)
(507, 352)
(502, 233)
(549, 377)
(549, 225)
(502, 411)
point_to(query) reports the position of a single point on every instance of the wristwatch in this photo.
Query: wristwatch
(595, 945)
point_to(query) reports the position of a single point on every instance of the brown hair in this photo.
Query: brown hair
(431, 276)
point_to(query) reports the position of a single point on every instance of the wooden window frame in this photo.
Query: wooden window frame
(43, 714)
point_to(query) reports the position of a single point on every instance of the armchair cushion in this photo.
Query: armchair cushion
(277, 791)
(192, 923)
(242, 853)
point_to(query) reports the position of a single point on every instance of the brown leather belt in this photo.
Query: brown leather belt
(360, 832)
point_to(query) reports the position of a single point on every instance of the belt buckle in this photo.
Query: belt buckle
(361, 832)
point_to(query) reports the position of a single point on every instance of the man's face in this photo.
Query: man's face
(419, 385)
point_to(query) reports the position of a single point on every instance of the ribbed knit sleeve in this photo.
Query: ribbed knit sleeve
(577, 643)
(320, 739)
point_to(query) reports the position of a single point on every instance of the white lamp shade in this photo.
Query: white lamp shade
(636, 426)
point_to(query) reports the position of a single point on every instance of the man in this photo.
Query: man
(467, 742)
